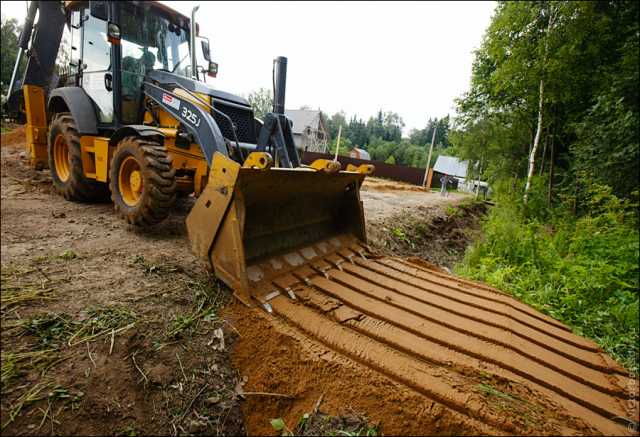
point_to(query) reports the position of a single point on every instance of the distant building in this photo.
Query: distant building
(309, 130)
(359, 154)
(451, 166)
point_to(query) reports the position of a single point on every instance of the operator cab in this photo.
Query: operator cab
(132, 38)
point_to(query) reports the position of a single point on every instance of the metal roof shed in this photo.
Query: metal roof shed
(451, 166)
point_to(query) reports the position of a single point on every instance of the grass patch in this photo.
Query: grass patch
(68, 255)
(16, 291)
(50, 333)
(488, 390)
(55, 330)
(17, 364)
(208, 297)
(155, 268)
(100, 321)
(11, 297)
(34, 394)
(580, 270)
(311, 424)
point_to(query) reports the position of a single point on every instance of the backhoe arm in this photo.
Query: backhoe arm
(45, 36)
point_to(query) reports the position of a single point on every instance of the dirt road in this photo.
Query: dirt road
(108, 329)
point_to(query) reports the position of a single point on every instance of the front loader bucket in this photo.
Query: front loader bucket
(253, 224)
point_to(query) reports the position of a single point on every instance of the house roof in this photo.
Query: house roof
(451, 166)
(303, 118)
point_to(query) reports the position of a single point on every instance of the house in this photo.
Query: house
(309, 130)
(359, 154)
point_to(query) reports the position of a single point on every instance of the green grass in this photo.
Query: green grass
(488, 390)
(208, 298)
(322, 424)
(582, 271)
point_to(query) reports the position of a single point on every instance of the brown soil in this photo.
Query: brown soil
(440, 233)
(381, 185)
(86, 263)
(413, 349)
(14, 138)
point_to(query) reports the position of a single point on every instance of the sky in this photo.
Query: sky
(408, 57)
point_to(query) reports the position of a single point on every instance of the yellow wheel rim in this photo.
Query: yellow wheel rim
(61, 158)
(130, 181)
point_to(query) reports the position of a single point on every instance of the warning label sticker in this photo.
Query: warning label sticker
(171, 101)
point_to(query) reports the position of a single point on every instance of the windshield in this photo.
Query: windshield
(152, 42)
(149, 41)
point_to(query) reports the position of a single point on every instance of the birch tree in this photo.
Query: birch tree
(550, 11)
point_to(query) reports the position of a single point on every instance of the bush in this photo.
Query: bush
(582, 271)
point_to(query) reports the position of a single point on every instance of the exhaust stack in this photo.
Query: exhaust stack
(279, 83)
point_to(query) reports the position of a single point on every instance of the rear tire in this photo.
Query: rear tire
(142, 181)
(65, 162)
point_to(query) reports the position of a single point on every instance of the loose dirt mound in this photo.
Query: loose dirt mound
(381, 185)
(492, 363)
(14, 138)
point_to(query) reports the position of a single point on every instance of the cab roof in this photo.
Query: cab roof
(156, 4)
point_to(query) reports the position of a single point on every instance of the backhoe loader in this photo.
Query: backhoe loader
(131, 118)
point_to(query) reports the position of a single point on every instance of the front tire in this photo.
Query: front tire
(65, 162)
(142, 181)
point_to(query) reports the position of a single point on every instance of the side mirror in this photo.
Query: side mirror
(205, 50)
(213, 69)
(99, 10)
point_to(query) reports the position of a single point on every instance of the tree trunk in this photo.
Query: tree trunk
(550, 191)
(544, 153)
(536, 140)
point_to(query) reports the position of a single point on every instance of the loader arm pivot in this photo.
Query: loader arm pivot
(195, 119)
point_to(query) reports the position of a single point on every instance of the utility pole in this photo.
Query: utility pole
(338, 142)
(426, 170)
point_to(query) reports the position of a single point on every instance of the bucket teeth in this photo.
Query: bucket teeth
(291, 294)
(271, 295)
(267, 307)
(323, 270)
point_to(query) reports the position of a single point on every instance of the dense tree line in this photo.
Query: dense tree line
(559, 79)
(380, 135)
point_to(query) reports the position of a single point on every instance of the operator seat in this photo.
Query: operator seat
(133, 73)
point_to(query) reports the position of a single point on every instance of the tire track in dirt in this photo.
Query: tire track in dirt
(417, 375)
(420, 325)
(434, 289)
(495, 296)
(474, 327)
(431, 332)
(437, 296)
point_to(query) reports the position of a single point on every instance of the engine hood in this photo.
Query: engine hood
(165, 77)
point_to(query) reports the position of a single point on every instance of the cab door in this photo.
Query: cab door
(97, 70)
